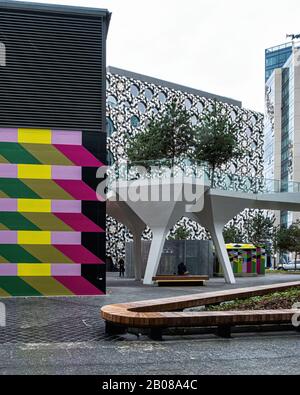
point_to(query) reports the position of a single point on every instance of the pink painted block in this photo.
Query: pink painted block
(78, 189)
(66, 206)
(79, 155)
(8, 205)
(66, 238)
(79, 254)
(8, 237)
(258, 265)
(79, 222)
(79, 286)
(66, 173)
(8, 135)
(65, 270)
(66, 138)
(249, 267)
(245, 265)
(8, 170)
(8, 269)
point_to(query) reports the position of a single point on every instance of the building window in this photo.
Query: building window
(134, 90)
(194, 120)
(142, 107)
(188, 104)
(199, 107)
(109, 127)
(233, 115)
(135, 121)
(249, 132)
(148, 94)
(112, 101)
(162, 97)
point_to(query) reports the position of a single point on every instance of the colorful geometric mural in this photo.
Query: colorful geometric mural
(246, 259)
(52, 225)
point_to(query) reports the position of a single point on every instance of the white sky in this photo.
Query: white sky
(213, 45)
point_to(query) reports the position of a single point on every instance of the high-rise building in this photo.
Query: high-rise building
(276, 57)
(282, 129)
(52, 141)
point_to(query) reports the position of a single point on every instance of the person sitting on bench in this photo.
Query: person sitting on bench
(182, 270)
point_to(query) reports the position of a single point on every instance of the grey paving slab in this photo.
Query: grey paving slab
(66, 336)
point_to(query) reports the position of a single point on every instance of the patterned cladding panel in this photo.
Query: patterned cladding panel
(130, 104)
(246, 262)
(46, 231)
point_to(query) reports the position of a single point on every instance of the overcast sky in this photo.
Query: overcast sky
(213, 45)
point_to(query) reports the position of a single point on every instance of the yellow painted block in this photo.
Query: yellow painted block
(4, 294)
(34, 136)
(34, 206)
(47, 286)
(33, 270)
(33, 172)
(34, 237)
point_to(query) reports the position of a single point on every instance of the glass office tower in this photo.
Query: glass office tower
(276, 57)
(282, 129)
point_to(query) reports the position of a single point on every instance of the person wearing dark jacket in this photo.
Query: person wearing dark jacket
(122, 267)
(182, 269)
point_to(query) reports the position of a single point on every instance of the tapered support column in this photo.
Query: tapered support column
(137, 255)
(156, 249)
(222, 254)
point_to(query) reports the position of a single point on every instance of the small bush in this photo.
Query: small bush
(276, 301)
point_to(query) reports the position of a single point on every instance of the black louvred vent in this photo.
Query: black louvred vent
(55, 70)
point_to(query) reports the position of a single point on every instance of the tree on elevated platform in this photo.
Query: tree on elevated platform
(216, 139)
(169, 137)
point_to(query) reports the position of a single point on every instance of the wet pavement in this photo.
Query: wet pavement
(67, 336)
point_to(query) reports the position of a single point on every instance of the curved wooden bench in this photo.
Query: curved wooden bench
(168, 313)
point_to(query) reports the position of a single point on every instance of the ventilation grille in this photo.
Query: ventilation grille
(55, 71)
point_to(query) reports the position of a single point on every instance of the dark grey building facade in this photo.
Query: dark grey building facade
(52, 141)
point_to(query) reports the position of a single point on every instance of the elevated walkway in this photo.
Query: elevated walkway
(158, 197)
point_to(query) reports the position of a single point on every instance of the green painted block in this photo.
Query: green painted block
(16, 254)
(15, 153)
(16, 221)
(263, 265)
(240, 266)
(235, 267)
(15, 286)
(16, 189)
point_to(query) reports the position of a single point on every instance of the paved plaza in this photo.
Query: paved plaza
(66, 336)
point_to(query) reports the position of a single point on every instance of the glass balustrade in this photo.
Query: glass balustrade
(220, 180)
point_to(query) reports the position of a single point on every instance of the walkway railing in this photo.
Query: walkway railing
(222, 180)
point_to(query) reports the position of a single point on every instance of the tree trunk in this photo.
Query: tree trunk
(275, 261)
(296, 256)
(213, 170)
(172, 166)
